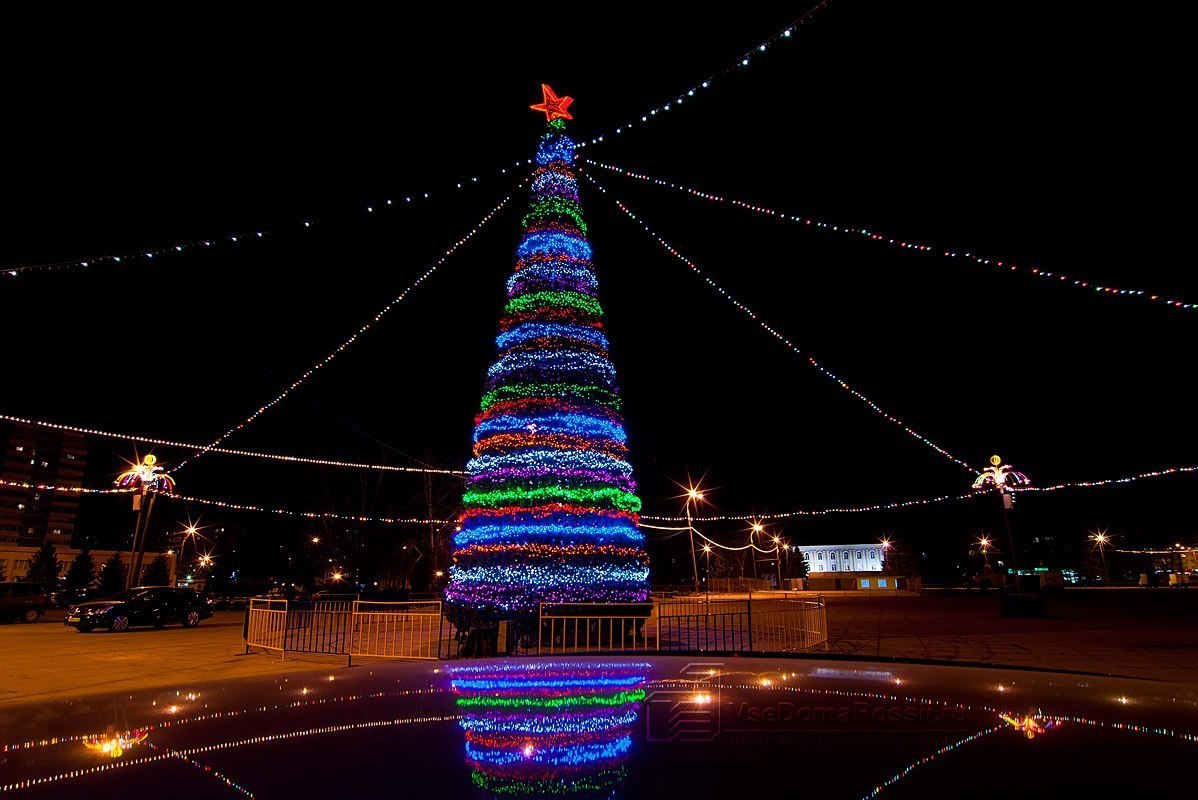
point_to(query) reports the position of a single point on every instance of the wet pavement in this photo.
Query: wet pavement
(612, 727)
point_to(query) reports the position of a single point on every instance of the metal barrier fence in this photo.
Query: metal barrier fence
(348, 627)
(265, 624)
(729, 626)
(596, 627)
(397, 630)
(421, 630)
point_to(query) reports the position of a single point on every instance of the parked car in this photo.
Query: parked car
(144, 605)
(23, 601)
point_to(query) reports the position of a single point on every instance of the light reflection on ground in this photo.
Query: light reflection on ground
(609, 727)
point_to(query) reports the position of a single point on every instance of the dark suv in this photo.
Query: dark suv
(23, 601)
(145, 605)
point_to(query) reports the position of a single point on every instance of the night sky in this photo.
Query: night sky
(1046, 137)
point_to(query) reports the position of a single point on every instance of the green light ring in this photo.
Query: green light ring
(560, 299)
(616, 498)
(594, 394)
(569, 701)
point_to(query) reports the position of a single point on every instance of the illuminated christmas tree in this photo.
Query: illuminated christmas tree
(550, 503)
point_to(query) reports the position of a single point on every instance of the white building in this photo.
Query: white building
(843, 557)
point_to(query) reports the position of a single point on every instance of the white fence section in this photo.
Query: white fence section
(397, 630)
(266, 624)
(596, 627)
(419, 629)
(788, 625)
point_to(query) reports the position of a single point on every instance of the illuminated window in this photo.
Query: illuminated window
(865, 583)
(70, 456)
(20, 448)
(881, 583)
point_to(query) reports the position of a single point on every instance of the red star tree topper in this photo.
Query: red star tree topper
(553, 106)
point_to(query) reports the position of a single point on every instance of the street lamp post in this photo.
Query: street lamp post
(1101, 539)
(753, 531)
(707, 555)
(1003, 478)
(778, 560)
(144, 478)
(693, 495)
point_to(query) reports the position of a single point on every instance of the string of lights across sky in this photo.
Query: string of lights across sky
(324, 462)
(906, 244)
(187, 246)
(845, 386)
(814, 512)
(372, 208)
(742, 62)
(345, 345)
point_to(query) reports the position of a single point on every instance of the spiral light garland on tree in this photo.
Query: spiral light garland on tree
(550, 501)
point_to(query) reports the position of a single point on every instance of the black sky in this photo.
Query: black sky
(1052, 137)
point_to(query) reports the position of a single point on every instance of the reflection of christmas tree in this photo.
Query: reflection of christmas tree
(550, 504)
(540, 729)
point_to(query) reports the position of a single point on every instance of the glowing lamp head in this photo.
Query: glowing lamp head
(758, 527)
(885, 544)
(337, 576)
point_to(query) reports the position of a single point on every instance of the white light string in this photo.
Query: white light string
(1174, 552)
(191, 751)
(286, 512)
(743, 61)
(372, 208)
(50, 487)
(845, 386)
(1158, 473)
(905, 244)
(820, 512)
(748, 546)
(345, 345)
(176, 248)
(325, 462)
(899, 504)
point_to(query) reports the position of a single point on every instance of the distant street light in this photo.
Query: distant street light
(707, 555)
(693, 495)
(756, 528)
(984, 543)
(778, 559)
(1101, 540)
